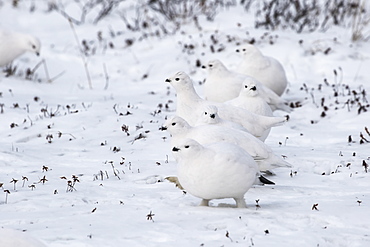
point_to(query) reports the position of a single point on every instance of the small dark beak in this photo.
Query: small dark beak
(254, 88)
(204, 67)
(212, 115)
(37, 53)
(175, 149)
(163, 128)
(167, 80)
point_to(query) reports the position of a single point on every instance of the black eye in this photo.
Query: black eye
(237, 50)
(173, 124)
(33, 47)
(210, 65)
(244, 50)
(177, 79)
(246, 86)
(187, 146)
(205, 113)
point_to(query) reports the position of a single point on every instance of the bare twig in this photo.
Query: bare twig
(106, 77)
(46, 70)
(83, 57)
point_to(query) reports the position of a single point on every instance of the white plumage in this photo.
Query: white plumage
(209, 115)
(266, 70)
(189, 106)
(207, 134)
(13, 238)
(13, 44)
(250, 99)
(223, 85)
(216, 171)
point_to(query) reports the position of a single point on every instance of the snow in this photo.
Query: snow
(88, 138)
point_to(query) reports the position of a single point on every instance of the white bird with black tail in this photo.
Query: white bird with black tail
(216, 171)
(208, 134)
(14, 44)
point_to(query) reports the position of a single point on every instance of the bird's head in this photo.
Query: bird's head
(209, 115)
(187, 148)
(250, 87)
(180, 80)
(176, 125)
(214, 66)
(248, 50)
(33, 45)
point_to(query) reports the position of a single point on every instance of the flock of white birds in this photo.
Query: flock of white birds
(218, 141)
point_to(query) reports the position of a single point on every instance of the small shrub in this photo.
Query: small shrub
(311, 15)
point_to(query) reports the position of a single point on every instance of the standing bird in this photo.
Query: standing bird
(250, 99)
(207, 134)
(189, 105)
(13, 44)
(216, 171)
(266, 70)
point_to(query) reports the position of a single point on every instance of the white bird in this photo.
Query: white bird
(250, 99)
(13, 238)
(216, 171)
(207, 134)
(223, 84)
(189, 106)
(14, 44)
(266, 70)
(209, 115)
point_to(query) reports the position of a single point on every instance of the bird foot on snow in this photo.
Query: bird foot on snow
(204, 202)
(240, 203)
(175, 180)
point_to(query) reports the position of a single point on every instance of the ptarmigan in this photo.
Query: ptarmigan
(189, 106)
(216, 171)
(266, 70)
(207, 134)
(250, 99)
(209, 115)
(223, 84)
(13, 238)
(13, 44)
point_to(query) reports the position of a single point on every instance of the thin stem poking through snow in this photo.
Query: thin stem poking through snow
(83, 57)
(106, 76)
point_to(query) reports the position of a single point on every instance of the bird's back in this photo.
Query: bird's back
(10, 47)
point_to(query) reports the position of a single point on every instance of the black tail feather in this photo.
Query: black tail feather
(265, 180)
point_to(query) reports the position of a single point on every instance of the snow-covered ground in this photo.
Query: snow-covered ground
(107, 140)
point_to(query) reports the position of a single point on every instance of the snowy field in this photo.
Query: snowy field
(91, 164)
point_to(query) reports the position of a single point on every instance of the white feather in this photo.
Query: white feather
(13, 45)
(207, 134)
(190, 105)
(266, 70)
